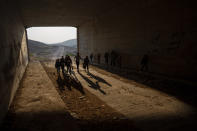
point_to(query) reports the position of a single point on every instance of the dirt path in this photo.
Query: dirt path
(46, 102)
(148, 108)
(58, 53)
(90, 112)
(97, 101)
(37, 105)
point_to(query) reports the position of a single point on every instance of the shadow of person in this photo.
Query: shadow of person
(67, 81)
(60, 83)
(99, 88)
(72, 81)
(99, 79)
(74, 76)
(93, 85)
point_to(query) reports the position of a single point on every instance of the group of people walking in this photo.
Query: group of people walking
(67, 61)
(62, 62)
(85, 63)
(114, 59)
(111, 58)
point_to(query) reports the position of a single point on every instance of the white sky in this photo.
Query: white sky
(50, 35)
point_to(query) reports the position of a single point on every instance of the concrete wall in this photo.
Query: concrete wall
(13, 53)
(166, 30)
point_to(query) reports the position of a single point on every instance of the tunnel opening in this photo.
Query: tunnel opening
(50, 43)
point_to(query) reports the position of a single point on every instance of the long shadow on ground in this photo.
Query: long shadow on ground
(99, 79)
(69, 82)
(165, 122)
(90, 113)
(181, 90)
(93, 85)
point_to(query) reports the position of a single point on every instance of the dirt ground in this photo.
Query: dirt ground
(99, 100)
(149, 103)
(90, 112)
(38, 105)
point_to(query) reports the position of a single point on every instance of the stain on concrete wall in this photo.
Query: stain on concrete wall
(165, 30)
(13, 53)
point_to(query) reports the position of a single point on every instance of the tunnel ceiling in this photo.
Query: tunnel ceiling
(63, 12)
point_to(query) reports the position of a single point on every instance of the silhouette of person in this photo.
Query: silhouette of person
(77, 59)
(144, 63)
(86, 63)
(68, 63)
(65, 60)
(99, 58)
(62, 64)
(91, 57)
(57, 66)
(106, 57)
(113, 58)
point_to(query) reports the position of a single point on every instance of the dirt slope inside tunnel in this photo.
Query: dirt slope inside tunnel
(148, 108)
(38, 106)
(96, 101)
(90, 112)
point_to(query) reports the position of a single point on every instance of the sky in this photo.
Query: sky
(51, 35)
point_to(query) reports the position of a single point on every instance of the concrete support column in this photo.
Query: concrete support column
(77, 39)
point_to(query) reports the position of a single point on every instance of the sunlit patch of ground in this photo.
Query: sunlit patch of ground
(90, 112)
(38, 105)
(149, 108)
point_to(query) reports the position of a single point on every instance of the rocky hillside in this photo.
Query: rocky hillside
(42, 50)
(69, 43)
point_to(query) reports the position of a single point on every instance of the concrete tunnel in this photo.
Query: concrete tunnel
(165, 29)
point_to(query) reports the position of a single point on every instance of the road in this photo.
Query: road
(60, 52)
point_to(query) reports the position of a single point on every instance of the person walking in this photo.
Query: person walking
(106, 58)
(99, 58)
(68, 63)
(62, 64)
(57, 66)
(77, 59)
(144, 63)
(112, 58)
(86, 63)
(91, 57)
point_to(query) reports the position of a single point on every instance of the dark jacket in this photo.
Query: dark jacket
(62, 61)
(57, 64)
(86, 61)
(68, 61)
